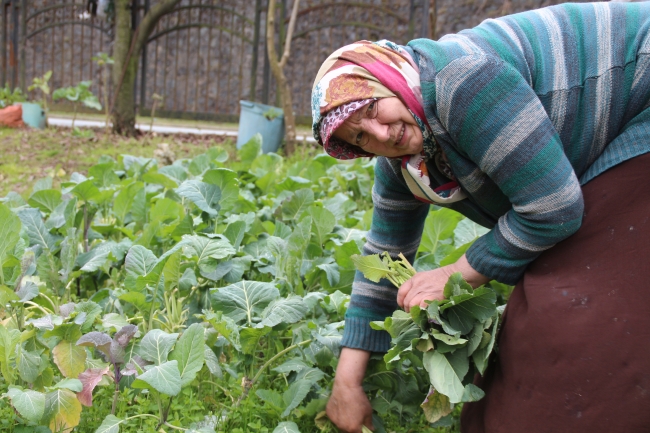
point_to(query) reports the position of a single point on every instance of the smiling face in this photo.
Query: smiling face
(384, 127)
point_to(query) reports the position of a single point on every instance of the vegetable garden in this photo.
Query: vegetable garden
(209, 296)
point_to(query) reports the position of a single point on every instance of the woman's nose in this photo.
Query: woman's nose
(378, 130)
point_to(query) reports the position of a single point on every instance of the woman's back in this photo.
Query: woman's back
(587, 63)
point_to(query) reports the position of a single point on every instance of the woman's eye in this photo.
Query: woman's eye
(372, 110)
(358, 138)
(371, 107)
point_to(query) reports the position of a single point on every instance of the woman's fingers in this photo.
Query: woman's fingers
(404, 290)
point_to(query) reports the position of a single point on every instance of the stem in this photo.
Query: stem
(35, 305)
(74, 115)
(141, 415)
(115, 397)
(54, 306)
(174, 427)
(278, 355)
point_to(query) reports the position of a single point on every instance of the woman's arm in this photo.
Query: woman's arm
(348, 406)
(495, 120)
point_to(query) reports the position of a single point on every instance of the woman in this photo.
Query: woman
(536, 125)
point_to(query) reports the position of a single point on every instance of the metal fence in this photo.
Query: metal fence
(206, 55)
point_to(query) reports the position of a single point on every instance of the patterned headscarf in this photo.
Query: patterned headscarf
(355, 75)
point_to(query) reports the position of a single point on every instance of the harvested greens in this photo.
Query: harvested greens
(456, 335)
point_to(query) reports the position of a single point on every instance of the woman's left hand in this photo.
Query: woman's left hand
(429, 285)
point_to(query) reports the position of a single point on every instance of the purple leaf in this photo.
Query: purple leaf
(97, 339)
(124, 335)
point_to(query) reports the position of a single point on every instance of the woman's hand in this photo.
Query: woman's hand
(429, 285)
(348, 407)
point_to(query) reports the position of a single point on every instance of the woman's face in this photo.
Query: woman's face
(384, 127)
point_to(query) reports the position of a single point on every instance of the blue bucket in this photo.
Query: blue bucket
(33, 115)
(265, 119)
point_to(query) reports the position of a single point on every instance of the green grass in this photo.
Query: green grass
(29, 155)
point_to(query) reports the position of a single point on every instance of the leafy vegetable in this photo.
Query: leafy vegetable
(455, 335)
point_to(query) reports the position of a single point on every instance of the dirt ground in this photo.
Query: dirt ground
(28, 155)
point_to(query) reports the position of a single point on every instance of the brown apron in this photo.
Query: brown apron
(574, 348)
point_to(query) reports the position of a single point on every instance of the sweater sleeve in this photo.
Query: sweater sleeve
(496, 120)
(397, 224)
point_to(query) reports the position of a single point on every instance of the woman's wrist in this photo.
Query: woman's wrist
(352, 367)
(471, 275)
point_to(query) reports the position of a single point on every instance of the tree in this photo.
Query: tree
(126, 52)
(277, 67)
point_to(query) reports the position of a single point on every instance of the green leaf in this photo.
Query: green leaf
(209, 250)
(463, 311)
(111, 424)
(323, 222)
(273, 398)
(244, 300)
(286, 427)
(30, 364)
(46, 200)
(467, 231)
(442, 376)
(249, 151)
(62, 410)
(38, 234)
(164, 378)
(9, 338)
(227, 181)
(126, 200)
(482, 354)
(70, 358)
(295, 395)
(156, 345)
(235, 233)
(29, 404)
(211, 361)
(286, 310)
(9, 232)
(439, 226)
(189, 352)
(138, 262)
(166, 210)
(250, 338)
(456, 285)
(71, 384)
(204, 195)
(372, 267)
(85, 190)
(298, 203)
(159, 179)
(472, 393)
(137, 299)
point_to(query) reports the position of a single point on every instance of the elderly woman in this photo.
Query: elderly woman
(536, 125)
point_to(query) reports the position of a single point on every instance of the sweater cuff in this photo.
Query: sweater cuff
(358, 334)
(485, 261)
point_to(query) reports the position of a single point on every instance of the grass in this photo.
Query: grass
(29, 155)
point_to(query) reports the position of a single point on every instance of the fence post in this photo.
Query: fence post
(143, 69)
(23, 43)
(256, 42)
(3, 43)
(14, 46)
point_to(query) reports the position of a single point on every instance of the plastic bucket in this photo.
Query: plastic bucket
(33, 115)
(265, 119)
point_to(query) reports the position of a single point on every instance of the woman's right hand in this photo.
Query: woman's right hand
(348, 407)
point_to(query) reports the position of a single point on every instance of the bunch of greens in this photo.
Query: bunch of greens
(455, 335)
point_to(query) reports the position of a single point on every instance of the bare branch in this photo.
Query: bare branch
(148, 23)
(292, 25)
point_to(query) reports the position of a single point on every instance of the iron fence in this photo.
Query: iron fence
(206, 55)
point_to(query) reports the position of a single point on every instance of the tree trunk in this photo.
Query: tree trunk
(126, 53)
(278, 72)
(123, 74)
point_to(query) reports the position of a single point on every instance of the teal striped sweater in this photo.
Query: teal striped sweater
(526, 108)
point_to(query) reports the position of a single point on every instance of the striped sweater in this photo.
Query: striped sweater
(526, 108)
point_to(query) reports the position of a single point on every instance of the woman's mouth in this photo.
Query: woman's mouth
(400, 138)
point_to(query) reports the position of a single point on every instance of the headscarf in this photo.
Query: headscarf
(355, 75)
